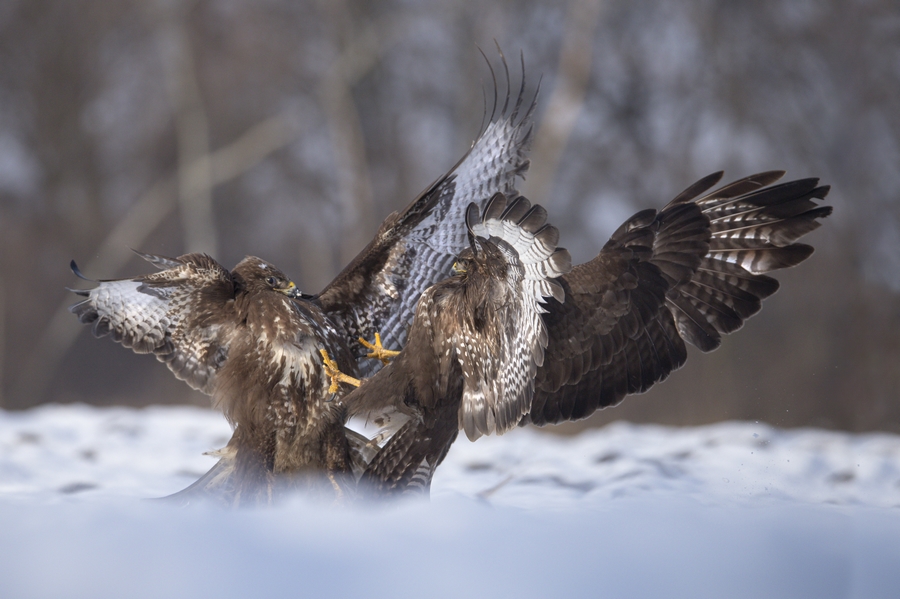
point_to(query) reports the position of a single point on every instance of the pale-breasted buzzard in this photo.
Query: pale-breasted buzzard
(474, 347)
(689, 273)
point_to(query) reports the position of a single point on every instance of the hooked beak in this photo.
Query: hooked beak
(291, 290)
(458, 269)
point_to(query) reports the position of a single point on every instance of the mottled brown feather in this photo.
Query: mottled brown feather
(690, 273)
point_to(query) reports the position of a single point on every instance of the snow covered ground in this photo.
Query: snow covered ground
(729, 510)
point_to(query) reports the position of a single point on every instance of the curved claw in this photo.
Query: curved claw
(378, 352)
(335, 374)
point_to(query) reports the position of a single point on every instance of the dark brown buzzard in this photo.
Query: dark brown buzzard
(188, 322)
(242, 338)
(690, 272)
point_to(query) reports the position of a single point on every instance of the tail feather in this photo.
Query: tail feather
(741, 188)
(160, 262)
(681, 241)
(761, 195)
(362, 451)
(407, 462)
(697, 188)
(759, 285)
(693, 324)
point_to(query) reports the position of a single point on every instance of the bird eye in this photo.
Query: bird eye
(271, 281)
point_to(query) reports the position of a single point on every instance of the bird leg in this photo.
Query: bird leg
(335, 374)
(378, 352)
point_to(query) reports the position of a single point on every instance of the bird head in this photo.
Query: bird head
(255, 274)
(463, 262)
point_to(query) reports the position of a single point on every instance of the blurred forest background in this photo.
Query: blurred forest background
(289, 129)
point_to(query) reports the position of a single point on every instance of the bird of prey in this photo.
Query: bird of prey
(474, 346)
(190, 323)
(691, 272)
(243, 338)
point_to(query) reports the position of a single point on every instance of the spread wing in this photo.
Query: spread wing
(416, 248)
(474, 346)
(692, 272)
(501, 345)
(182, 314)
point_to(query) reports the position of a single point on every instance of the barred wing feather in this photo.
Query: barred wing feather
(416, 248)
(499, 362)
(162, 313)
(691, 273)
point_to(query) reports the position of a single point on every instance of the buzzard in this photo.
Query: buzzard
(614, 326)
(474, 346)
(243, 338)
(187, 316)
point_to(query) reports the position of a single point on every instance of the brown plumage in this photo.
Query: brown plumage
(614, 326)
(690, 272)
(660, 282)
(243, 339)
(185, 326)
(474, 346)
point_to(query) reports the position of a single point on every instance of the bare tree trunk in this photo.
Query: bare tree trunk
(192, 131)
(568, 96)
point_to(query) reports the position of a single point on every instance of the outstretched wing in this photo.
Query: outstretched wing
(416, 248)
(475, 345)
(754, 229)
(181, 314)
(691, 272)
(501, 345)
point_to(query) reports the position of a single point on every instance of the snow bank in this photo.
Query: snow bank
(729, 510)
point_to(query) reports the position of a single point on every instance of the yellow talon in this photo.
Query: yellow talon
(333, 372)
(378, 352)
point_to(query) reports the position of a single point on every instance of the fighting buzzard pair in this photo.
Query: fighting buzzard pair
(498, 331)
